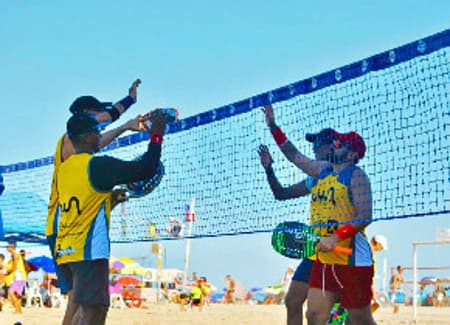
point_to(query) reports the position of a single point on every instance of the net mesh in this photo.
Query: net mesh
(401, 110)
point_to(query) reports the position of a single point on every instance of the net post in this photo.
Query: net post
(415, 283)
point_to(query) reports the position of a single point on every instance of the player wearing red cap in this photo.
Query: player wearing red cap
(341, 208)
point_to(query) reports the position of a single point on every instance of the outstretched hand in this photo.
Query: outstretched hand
(133, 89)
(326, 244)
(118, 196)
(133, 124)
(270, 117)
(159, 121)
(265, 156)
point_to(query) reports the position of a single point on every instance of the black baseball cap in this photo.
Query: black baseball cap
(88, 103)
(81, 123)
(324, 135)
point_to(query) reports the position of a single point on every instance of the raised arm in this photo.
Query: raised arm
(309, 166)
(109, 136)
(280, 192)
(106, 172)
(121, 106)
(109, 115)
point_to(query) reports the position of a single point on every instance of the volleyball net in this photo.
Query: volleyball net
(398, 100)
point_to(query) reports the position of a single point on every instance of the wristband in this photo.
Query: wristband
(346, 231)
(279, 137)
(126, 102)
(156, 138)
(114, 113)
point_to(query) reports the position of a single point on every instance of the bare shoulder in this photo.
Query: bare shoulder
(359, 176)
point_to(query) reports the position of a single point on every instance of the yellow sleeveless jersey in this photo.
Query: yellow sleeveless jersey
(19, 274)
(53, 211)
(83, 230)
(331, 203)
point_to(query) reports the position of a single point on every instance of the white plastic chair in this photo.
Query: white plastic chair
(57, 299)
(115, 296)
(34, 296)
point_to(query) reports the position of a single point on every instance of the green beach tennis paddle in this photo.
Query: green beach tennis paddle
(298, 240)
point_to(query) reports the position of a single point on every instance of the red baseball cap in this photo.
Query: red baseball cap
(354, 141)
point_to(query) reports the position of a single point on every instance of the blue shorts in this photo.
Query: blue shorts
(303, 271)
(64, 285)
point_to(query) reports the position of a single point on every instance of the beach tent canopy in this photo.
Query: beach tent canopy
(43, 262)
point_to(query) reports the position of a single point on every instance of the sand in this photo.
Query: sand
(168, 314)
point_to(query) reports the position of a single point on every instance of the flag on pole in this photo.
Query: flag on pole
(190, 213)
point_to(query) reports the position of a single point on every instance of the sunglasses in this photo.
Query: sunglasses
(339, 144)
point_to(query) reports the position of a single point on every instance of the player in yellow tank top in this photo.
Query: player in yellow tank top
(79, 238)
(16, 277)
(85, 186)
(350, 281)
(298, 288)
(331, 204)
(104, 113)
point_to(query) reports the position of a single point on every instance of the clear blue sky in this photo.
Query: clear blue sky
(194, 55)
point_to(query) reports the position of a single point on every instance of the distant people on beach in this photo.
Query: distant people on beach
(439, 294)
(16, 277)
(287, 279)
(395, 286)
(200, 293)
(378, 243)
(230, 297)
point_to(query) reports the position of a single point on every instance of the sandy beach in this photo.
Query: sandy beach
(170, 314)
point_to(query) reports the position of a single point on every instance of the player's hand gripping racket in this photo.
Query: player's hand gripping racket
(298, 240)
(145, 121)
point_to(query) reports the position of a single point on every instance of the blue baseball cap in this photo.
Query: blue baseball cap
(82, 123)
(88, 103)
(324, 135)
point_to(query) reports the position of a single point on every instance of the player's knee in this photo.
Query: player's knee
(316, 315)
(311, 315)
(360, 316)
(293, 301)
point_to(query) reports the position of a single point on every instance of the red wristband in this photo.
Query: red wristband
(156, 138)
(346, 231)
(279, 137)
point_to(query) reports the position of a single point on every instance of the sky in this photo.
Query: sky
(196, 56)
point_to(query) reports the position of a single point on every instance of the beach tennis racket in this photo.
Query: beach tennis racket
(171, 114)
(144, 187)
(298, 240)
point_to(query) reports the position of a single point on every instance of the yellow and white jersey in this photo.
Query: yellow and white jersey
(83, 230)
(53, 211)
(331, 203)
(19, 274)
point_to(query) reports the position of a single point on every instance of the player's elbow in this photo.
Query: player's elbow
(150, 169)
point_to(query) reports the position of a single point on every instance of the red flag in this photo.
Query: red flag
(190, 213)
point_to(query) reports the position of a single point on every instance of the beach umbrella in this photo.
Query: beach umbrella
(274, 290)
(117, 265)
(428, 280)
(43, 262)
(126, 281)
(127, 260)
(134, 270)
